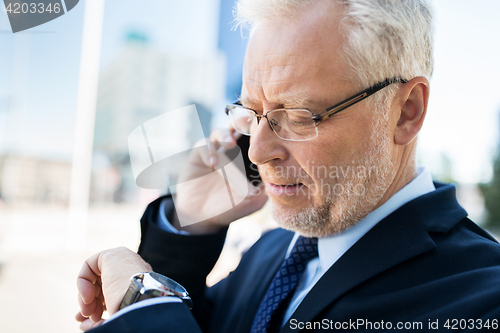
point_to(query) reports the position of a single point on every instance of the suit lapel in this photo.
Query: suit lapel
(397, 238)
(262, 272)
(274, 258)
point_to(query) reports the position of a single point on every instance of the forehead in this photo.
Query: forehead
(297, 59)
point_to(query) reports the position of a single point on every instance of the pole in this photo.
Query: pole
(85, 118)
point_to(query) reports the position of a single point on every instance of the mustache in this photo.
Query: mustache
(279, 177)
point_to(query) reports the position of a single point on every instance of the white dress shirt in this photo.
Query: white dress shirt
(330, 248)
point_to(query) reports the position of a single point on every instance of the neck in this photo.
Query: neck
(405, 173)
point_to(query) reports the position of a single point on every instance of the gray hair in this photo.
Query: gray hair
(385, 38)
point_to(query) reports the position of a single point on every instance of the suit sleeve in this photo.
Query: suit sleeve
(186, 259)
(153, 319)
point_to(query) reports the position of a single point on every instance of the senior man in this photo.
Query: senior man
(334, 95)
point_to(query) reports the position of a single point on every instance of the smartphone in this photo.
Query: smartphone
(251, 171)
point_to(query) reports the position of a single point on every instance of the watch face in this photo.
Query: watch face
(162, 282)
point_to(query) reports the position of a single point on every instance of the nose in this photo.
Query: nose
(265, 145)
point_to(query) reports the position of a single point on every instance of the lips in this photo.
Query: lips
(283, 189)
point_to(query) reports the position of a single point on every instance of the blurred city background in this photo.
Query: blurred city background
(72, 90)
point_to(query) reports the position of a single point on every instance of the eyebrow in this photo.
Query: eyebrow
(297, 101)
(292, 100)
(244, 100)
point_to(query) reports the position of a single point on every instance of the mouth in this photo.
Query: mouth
(283, 189)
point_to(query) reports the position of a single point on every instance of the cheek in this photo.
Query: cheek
(339, 144)
(327, 161)
(335, 150)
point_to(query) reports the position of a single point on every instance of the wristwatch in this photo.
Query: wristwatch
(151, 285)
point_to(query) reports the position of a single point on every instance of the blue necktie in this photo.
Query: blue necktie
(272, 309)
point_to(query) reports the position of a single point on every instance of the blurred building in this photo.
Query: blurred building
(140, 84)
(4, 109)
(231, 43)
(29, 180)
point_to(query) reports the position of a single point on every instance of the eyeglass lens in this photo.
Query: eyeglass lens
(294, 125)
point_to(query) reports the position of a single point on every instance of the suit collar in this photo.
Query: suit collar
(439, 211)
(402, 235)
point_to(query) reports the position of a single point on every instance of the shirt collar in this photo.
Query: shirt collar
(331, 248)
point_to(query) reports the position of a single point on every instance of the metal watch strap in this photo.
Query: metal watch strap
(133, 293)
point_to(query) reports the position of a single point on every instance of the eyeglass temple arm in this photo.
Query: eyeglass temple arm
(359, 97)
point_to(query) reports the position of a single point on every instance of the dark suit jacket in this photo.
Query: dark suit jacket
(425, 262)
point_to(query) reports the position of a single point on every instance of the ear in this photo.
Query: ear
(413, 99)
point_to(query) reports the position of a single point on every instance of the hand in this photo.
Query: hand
(204, 198)
(103, 281)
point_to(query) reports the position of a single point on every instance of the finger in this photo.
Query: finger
(211, 159)
(225, 137)
(87, 277)
(97, 315)
(88, 290)
(219, 134)
(221, 141)
(79, 317)
(86, 309)
(90, 269)
(88, 324)
(210, 156)
(201, 153)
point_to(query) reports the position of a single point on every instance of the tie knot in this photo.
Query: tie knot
(305, 249)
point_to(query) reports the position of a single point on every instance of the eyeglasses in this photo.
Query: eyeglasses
(296, 124)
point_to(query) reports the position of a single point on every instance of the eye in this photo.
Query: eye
(299, 118)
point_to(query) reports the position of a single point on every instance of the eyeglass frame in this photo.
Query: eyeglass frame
(319, 117)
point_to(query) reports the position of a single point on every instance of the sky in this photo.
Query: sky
(463, 115)
(39, 75)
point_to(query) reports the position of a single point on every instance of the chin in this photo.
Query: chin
(309, 222)
(333, 216)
